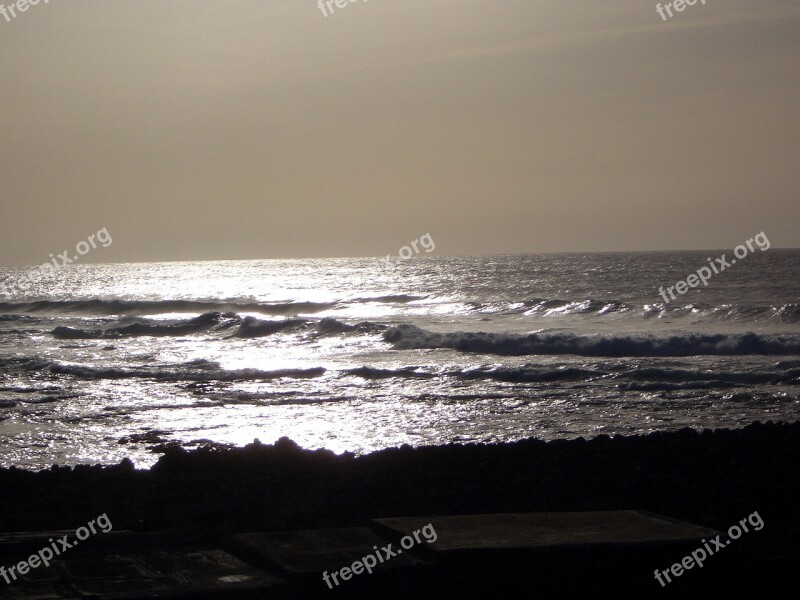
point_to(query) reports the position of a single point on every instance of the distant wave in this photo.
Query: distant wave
(391, 299)
(531, 374)
(671, 387)
(22, 364)
(224, 324)
(145, 307)
(789, 313)
(148, 307)
(406, 337)
(633, 378)
(650, 374)
(626, 377)
(551, 307)
(782, 313)
(575, 307)
(185, 372)
(554, 307)
(17, 318)
(377, 373)
(528, 373)
(535, 307)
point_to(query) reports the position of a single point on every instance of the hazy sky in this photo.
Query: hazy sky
(198, 129)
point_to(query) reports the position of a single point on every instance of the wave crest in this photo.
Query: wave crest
(204, 322)
(408, 337)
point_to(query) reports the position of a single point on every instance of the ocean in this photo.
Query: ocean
(102, 362)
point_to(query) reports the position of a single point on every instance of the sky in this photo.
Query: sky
(201, 130)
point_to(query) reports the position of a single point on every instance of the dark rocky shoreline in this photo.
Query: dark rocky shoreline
(710, 478)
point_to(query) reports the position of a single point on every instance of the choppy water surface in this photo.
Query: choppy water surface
(98, 362)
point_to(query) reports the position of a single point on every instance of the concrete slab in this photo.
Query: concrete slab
(23, 544)
(35, 592)
(489, 555)
(311, 552)
(15, 546)
(175, 572)
(210, 572)
(526, 530)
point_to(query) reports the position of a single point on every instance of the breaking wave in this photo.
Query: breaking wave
(406, 337)
(199, 324)
(223, 324)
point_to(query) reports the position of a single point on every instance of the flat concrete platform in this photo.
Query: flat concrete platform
(530, 530)
(310, 552)
(491, 555)
(166, 572)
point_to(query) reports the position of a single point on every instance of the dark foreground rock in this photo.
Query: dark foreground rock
(713, 479)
